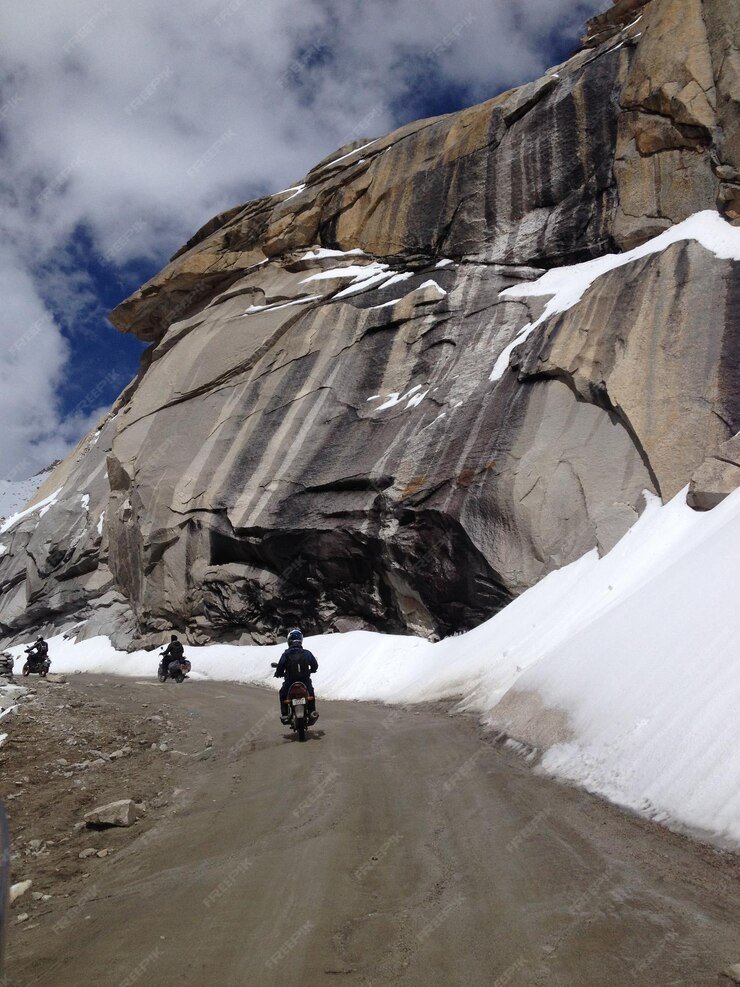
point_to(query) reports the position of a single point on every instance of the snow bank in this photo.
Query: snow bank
(567, 285)
(638, 650)
(651, 681)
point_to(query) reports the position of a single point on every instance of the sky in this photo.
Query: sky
(124, 127)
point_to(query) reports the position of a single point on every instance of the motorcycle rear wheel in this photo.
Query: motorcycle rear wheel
(179, 677)
(301, 728)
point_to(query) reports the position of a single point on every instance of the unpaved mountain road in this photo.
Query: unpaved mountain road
(391, 848)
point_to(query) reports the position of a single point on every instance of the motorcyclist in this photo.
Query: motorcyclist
(296, 665)
(38, 653)
(173, 655)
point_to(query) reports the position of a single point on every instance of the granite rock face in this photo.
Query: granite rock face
(717, 477)
(317, 435)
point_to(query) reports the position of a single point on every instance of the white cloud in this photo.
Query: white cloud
(138, 121)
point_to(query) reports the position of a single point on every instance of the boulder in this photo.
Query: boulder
(120, 813)
(17, 890)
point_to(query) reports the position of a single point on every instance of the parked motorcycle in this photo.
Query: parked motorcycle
(298, 702)
(172, 670)
(35, 665)
(6, 664)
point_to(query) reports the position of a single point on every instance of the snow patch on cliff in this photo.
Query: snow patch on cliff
(254, 309)
(430, 287)
(412, 397)
(567, 285)
(320, 253)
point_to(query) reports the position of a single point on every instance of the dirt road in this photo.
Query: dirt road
(394, 847)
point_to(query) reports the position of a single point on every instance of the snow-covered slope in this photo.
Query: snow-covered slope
(15, 493)
(637, 652)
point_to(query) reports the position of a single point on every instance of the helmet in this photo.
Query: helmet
(173, 637)
(39, 640)
(295, 636)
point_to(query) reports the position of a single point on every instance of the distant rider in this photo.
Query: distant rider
(38, 653)
(173, 655)
(296, 665)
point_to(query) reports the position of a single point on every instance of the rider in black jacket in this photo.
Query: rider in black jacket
(173, 653)
(38, 653)
(39, 649)
(296, 665)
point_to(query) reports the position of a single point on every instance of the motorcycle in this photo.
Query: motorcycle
(36, 665)
(179, 674)
(298, 701)
(6, 664)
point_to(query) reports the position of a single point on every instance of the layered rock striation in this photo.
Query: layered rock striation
(358, 409)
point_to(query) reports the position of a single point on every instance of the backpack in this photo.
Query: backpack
(296, 666)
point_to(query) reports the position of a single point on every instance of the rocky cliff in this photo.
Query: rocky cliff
(447, 362)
